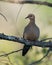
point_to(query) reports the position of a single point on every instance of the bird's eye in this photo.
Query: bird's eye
(30, 15)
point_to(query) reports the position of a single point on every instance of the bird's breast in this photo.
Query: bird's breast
(31, 33)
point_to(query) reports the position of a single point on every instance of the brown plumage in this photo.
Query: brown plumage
(31, 32)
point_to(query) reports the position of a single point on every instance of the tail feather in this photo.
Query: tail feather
(25, 49)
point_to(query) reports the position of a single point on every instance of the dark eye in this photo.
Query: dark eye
(30, 15)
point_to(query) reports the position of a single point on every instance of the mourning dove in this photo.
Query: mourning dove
(31, 33)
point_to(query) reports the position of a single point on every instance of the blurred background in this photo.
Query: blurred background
(15, 24)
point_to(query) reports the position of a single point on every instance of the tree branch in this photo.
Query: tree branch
(36, 2)
(32, 2)
(23, 41)
(41, 43)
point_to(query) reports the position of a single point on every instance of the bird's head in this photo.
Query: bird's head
(31, 17)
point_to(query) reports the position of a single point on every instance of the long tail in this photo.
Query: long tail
(25, 49)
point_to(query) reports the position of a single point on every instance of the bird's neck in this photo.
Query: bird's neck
(32, 21)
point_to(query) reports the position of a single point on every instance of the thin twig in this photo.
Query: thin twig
(17, 18)
(41, 58)
(9, 60)
(46, 39)
(19, 11)
(7, 57)
(3, 16)
(10, 53)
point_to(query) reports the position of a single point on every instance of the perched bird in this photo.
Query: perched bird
(31, 32)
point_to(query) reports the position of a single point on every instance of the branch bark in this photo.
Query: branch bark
(33, 2)
(23, 41)
(36, 2)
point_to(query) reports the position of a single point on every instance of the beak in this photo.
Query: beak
(26, 17)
